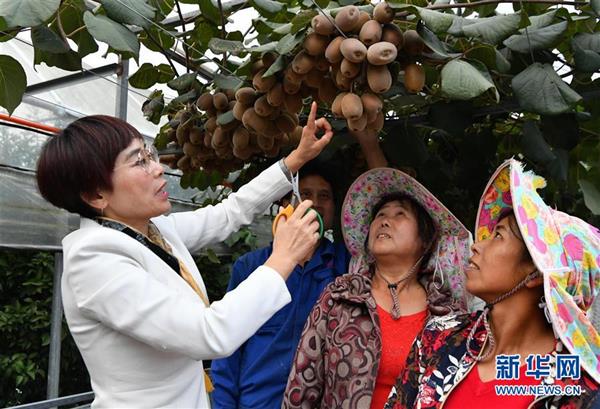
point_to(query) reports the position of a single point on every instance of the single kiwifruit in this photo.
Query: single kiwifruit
(262, 107)
(205, 101)
(322, 25)
(352, 107)
(359, 124)
(321, 63)
(207, 139)
(290, 87)
(231, 104)
(211, 124)
(413, 43)
(242, 153)
(382, 53)
(171, 135)
(377, 124)
(302, 63)
(220, 101)
(238, 110)
(414, 78)
(268, 59)
(275, 95)
(352, 49)
(184, 163)
(220, 138)
(383, 13)
(372, 104)
(362, 20)
(254, 123)
(392, 34)
(292, 103)
(314, 78)
(315, 44)
(286, 122)
(327, 91)
(342, 82)
(182, 134)
(240, 138)
(292, 76)
(370, 33)
(265, 142)
(263, 84)
(275, 114)
(332, 52)
(230, 93)
(379, 78)
(196, 135)
(349, 69)
(246, 95)
(347, 18)
(336, 105)
(257, 66)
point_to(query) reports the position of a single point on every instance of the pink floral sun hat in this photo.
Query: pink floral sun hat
(565, 249)
(451, 251)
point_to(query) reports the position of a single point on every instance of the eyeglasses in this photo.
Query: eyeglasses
(145, 157)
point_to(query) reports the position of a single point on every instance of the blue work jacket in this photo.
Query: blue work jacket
(256, 374)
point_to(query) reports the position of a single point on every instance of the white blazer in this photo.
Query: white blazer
(141, 329)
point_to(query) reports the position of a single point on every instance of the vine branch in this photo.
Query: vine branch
(484, 2)
(223, 32)
(185, 46)
(164, 52)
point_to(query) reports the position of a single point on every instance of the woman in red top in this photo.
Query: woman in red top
(408, 256)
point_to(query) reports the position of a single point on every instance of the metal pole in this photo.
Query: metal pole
(122, 89)
(55, 330)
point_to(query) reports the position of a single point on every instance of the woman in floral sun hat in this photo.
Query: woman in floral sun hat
(408, 257)
(537, 270)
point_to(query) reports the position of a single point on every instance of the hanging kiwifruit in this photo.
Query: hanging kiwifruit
(207, 139)
(313, 78)
(240, 137)
(322, 25)
(211, 124)
(377, 124)
(352, 107)
(262, 107)
(291, 76)
(413, 43)
(327, 91)
(190, 149)
(370, 33)
(263, 84)
(286, 122)
(265, 142)
(302, 63)
(383, 13)
(333, 53)
(220, 101)
(359, 124)
(196, 135)
(382, 53)
(274, 151)
(290, 87)
(268, 59)
(246, 95)
(336, 106)
(392, 34)
(238, 110)
(363, 17)
(347, 18)
(276, 95)
(353, 50)
(220, 138)
(349, 69)
(379, 78)
(231, 125)
(292, 103)
(184, 163)
(321, 63)
(372, 104)
(414, 78)
(342, 82)
(205, 101)
(242, 153)
(315, 44)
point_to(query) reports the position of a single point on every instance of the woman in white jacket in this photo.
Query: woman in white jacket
(133, 297)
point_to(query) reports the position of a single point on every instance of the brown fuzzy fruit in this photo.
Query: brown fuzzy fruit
(349, 69)
(392, 34)
(211, 124)
(347, 18)
(359, 124)
(315, 44)
(292, 103)
(290, 87)
(262, 107)
(230, 126)
(291, 76)
(303, 63)
(246, 95)
(196, 135)
(322, 25)
(265, 142)
(313, 78)
(327, 91)
(207, 139)
(242, 153)
(383, 13)
(382, 53)
(190, 149)
(220, 138)
(379, 78)
(342, 82)
(370, 33)
(352, 49)
(268, 59)
(333, 53)
(220, 101)
(275, 95)
(263, 84)
(257, 66)
(352, 107)
(362, 20)
(240, 138)
(372, 104)
(336, 106)
(414, 78)
(321, 63)
(205, 101)
(413, 43)
(377, 124)
(286, 122)
(184, 163)
(254, 123)
(238, 110)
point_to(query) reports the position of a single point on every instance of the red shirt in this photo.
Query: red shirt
(481, 394)
(397, 337)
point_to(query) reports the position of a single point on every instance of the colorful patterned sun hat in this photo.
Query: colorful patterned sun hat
(452, 248)
(565, 249)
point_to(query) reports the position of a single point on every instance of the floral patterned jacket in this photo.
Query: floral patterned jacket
(438, 361)
(338, 356)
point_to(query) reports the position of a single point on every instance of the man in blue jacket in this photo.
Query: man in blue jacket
(256, 374)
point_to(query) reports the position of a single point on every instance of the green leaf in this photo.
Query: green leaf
(69, 61)
(184, 98)
(502, 64)
(462, 81)
(228, 81)
(212, 256)
(591, 195)
(283, 29)
(436, 21)
(110, 32)
(302, 20)
(134, 12)
(596, 6)
(267, 7)
(71, 16)
(586, 48)
(288, 43)
(183, 82)
(145, 77)
(264, 48)
(494, 29)
(165, 73)
(27, 13)
(210, 11)
(152, 108)
(431, 40)
(278, 65)
(163, 6)
(534, 145)
(220, 46)
(536, 39)
(225, 118)
(13, 82)
(154, 39)
(539, 89)
(47, 40)
(542, 20)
